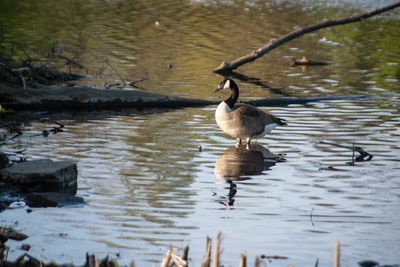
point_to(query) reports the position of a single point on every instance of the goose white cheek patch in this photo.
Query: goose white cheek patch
(227, 85)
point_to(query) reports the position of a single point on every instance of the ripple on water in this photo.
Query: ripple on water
(148, 185)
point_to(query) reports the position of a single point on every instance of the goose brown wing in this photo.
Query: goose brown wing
(252, 111)
(248, 110)
(249, 119)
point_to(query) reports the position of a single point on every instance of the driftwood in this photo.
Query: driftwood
(227, 67)
(306, 62)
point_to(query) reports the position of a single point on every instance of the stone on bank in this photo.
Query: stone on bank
(42, 183)
(42, 175)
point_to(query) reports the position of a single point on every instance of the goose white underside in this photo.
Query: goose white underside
(268, 128)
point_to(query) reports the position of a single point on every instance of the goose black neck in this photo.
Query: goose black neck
(234, 95)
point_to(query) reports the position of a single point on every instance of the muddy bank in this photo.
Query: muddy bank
(80, 97)
(87, 98)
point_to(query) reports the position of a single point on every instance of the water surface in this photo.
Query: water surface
(154, 180)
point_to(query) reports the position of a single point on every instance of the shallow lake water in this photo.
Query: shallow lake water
(152, 180)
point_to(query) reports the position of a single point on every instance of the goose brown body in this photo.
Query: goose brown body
(240, 120)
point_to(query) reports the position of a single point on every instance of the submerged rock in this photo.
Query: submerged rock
(4, 161)
(42, 175)
(10, 233)
(52, 199)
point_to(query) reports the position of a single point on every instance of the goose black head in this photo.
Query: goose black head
(225, 84)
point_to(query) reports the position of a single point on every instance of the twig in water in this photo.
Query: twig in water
(311, 215)
(71, 61)
(57, 129)
(108, 86)
(20, 75)
(140, 80)
(17, 71)
(44, 133)
(12, 129)
(363, 153)
(274, 257)
(119, 74)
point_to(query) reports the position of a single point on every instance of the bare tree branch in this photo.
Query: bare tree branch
(227, 67)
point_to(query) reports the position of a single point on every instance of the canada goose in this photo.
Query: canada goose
(240, 120)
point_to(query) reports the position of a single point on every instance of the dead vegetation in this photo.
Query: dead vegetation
(171, 259)
(19, 65)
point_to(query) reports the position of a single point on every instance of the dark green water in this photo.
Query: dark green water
(147, 185)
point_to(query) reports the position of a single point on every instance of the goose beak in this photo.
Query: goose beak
(219, 88)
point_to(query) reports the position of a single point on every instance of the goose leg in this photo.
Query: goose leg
(248, 143)
(239, 142)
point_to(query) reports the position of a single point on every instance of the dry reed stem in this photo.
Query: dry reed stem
(337, 255)
(215, 262)
(207, 257)
(185, 256)
(242, 262)
(177, 260)
(166, 259)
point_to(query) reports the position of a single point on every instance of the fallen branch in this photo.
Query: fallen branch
(227, 67)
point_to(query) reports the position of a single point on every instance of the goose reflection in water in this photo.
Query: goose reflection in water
(240, 162)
